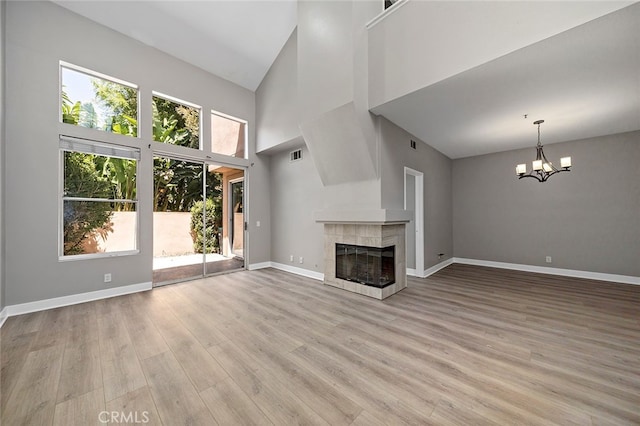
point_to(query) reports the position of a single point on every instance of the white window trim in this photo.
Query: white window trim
(174, 99)
(93, 73)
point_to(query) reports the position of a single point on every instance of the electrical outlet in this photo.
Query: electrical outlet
(257, 224)
(291, 258)
(107, 278)
(548, 259)
(301, 260)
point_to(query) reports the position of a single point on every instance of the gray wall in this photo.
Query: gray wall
(39, 34)
(2, 142)
(296, 193)
(333, 87)
(258, 245)
(396, 154)
(325, 56)
(323, 64)
(587, 219)
(277, 103)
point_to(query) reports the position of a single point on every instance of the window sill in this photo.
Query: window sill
(97, 255)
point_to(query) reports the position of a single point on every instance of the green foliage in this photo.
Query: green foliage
(191, 118)
(118, 105)
(175, 124)
(121, 173)
(165, 128)
(88, 116)
(84, 220)
(121, 103)
(178, 184)
(124, 125)
(205, 233)
(70, 111)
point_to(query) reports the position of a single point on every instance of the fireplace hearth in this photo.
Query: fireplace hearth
(372, 266)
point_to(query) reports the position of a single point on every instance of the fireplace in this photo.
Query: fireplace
(372, 266)
(364, 257)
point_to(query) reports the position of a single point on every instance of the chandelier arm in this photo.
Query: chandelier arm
(531, 176)
(544, 157)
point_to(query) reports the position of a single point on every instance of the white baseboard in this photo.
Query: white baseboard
(3, 316)
(57, 302)
(262, 265)
(625, 279)
(436, 268)
(429, 271)
(298, 271)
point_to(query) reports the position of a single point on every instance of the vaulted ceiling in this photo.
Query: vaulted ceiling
(584, 82)
(236, 40)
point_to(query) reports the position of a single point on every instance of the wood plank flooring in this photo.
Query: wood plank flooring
(466, 346)
(178, 273)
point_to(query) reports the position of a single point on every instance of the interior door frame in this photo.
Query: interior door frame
(418, 216)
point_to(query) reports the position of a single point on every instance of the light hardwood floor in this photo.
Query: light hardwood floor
(467, 346)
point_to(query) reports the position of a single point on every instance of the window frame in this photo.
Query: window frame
(156, 94)
(246, 135)
(66, 144)
(92, 73)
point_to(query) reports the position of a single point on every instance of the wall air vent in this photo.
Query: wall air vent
(295, 155)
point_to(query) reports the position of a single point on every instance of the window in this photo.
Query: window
(176, 122)
(228, 135)
(88, 99)
(99, 211)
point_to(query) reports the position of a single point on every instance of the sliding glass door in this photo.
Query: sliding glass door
(191, 226)
(178, 195)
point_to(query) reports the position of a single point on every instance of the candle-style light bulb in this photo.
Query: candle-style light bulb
(537, 165)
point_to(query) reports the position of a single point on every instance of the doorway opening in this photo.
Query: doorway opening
(414, 201)
(191, 220)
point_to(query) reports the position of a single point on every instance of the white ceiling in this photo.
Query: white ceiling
(584, 82)
(236, 40)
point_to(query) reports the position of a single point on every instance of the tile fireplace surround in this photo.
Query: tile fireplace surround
(365, 234)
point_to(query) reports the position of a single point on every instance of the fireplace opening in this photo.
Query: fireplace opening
(371, 266)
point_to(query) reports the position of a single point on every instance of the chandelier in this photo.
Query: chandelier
(543, 169)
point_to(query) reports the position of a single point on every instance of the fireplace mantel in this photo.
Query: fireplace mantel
(363, 216)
